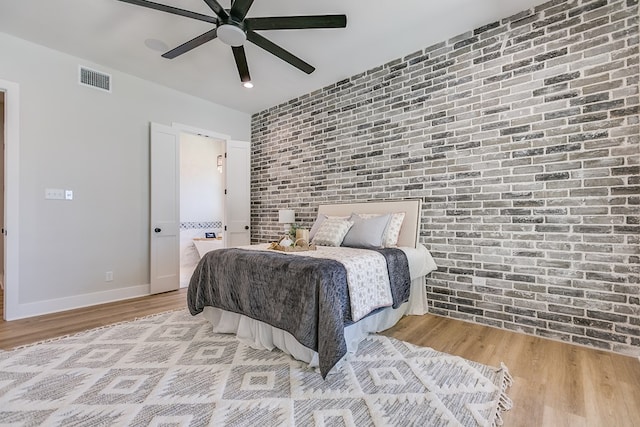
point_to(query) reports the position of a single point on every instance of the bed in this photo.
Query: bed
(318, 305)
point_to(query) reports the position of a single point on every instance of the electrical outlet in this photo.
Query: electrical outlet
(68, 194)
(108, 276)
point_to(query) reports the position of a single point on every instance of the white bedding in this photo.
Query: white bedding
(263, 336)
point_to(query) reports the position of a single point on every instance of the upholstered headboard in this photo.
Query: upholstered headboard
(410, 231)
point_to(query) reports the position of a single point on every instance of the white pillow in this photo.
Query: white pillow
(366, 232)
(332, 232)
(391, 234)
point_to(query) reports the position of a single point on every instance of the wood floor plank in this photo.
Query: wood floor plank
(34, 329)
(555, 383)
(557, 418)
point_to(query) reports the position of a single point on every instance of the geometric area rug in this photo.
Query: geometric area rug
(171, 370)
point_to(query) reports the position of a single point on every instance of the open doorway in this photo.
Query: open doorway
(201, 199)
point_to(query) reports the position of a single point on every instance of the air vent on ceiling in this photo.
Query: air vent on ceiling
(95, 79)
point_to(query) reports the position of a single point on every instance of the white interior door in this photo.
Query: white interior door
(165, 209)
(237, 210)
(2, 207)
(12, 306)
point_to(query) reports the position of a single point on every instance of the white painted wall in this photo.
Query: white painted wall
(96, 144)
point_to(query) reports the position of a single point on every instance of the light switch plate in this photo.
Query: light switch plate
(54, 194)
(68, 194)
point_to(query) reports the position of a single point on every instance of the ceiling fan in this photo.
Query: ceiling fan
(233, 28)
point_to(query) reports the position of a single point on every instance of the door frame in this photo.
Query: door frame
(182, 128)
(11, 198)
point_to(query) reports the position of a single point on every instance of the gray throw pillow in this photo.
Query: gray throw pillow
(366, 232)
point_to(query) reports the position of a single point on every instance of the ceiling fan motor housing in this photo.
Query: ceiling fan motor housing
(231, 34)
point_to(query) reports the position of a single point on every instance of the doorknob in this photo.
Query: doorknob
(157, 229)
(246, 227)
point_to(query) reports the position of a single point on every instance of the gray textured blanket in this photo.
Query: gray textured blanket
(307, 297)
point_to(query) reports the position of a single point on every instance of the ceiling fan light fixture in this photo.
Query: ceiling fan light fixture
(231, 35)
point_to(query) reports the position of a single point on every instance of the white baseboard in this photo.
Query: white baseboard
(77, 301)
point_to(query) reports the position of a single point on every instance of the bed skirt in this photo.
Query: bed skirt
(261, 335)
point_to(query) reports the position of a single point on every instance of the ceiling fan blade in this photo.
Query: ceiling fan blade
(296, 22)
(273, 48)
(217, 9)
(174, 10)
(240, 8)
(241, 63)
(191, 44)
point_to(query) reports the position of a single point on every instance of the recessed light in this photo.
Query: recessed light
(157, 45)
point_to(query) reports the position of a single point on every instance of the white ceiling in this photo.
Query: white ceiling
(113, 34)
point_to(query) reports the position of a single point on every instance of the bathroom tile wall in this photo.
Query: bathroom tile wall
(521, 139)
(188, 225)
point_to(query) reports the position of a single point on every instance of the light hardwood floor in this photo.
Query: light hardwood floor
(26, 331)
(555, 384)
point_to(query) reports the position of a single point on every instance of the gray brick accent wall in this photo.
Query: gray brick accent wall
(521, 138)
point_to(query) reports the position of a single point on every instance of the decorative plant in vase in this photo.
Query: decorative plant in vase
(292, 231)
